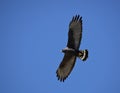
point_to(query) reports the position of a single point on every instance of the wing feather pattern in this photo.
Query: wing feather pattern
(75, 32)
(74, 39)
(66, 66)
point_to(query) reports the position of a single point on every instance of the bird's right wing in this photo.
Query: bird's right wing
(66, 66)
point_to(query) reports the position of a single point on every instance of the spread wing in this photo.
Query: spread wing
(75, 32)
(66, 66)
(74, 38)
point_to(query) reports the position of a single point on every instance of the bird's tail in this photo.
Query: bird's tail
(83, 54)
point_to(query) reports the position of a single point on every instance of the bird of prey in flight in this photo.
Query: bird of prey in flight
(71, 52)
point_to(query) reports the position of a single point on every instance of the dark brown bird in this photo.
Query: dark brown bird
(72, 50)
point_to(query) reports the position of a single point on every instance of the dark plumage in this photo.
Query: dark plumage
(72, 50)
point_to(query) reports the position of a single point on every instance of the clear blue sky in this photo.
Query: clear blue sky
(32, 33)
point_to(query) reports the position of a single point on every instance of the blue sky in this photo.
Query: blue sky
(32, 33)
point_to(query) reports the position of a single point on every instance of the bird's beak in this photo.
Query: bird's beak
(61, 50)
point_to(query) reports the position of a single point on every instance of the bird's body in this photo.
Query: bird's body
(71, 52)
(82, 54)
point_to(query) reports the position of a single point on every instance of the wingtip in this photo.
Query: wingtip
(77, 17)
(61, 79)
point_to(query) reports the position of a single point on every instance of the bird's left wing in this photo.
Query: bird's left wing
(75, 32)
